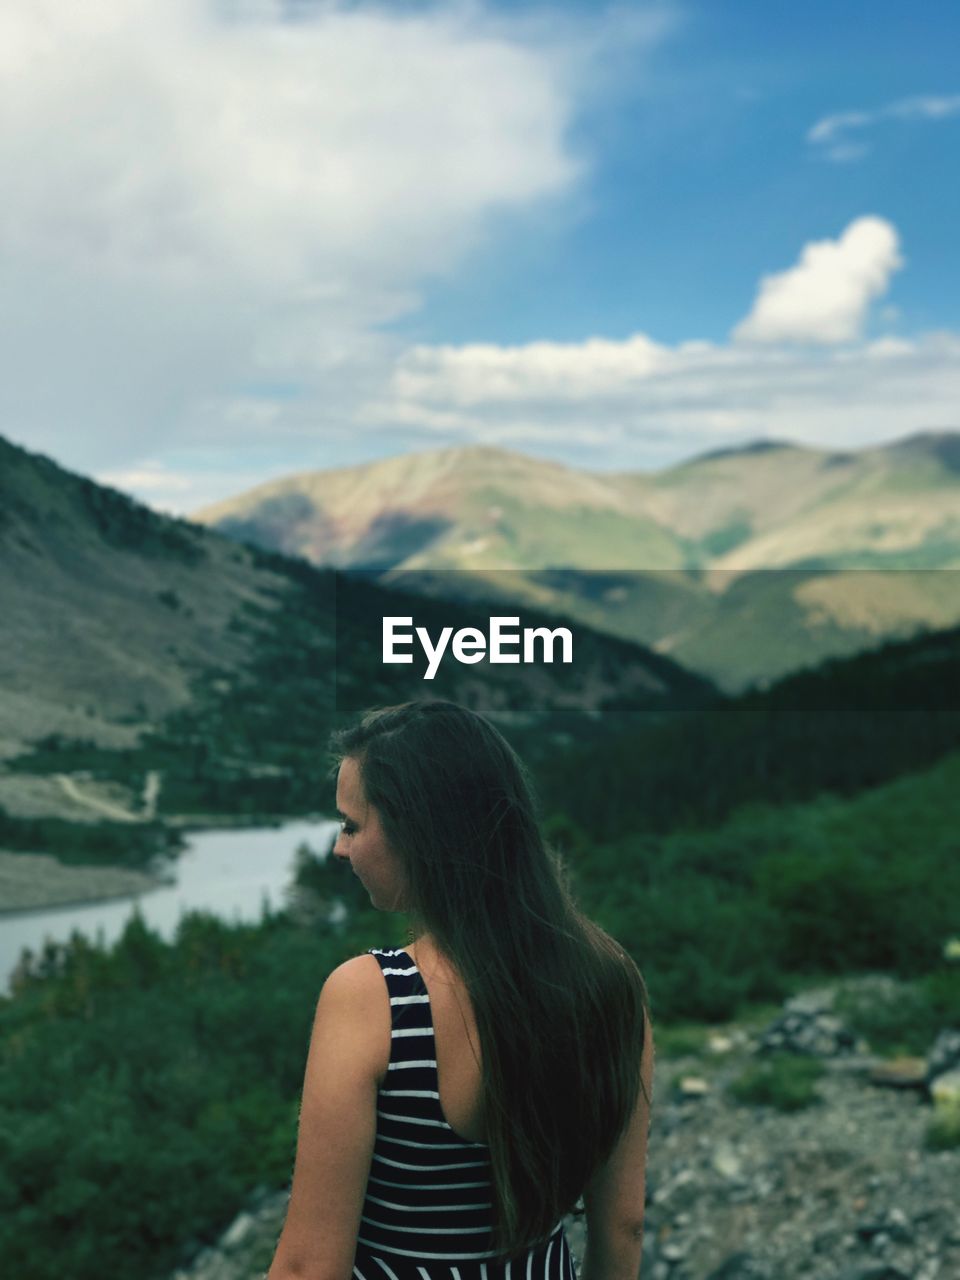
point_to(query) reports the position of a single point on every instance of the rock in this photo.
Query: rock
(739, 1266)
(238, 1231)
(900, 1073)
(692, 1087)
(898, 1226)
(719, 1043)
(867, 1230)
(806, 1027)
(678, 1190)
(945, 1054)
(945, 1089)
(674, 1251)
(726, 1161)
(810, 1002)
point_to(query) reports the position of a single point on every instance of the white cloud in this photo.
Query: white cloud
(210, 211)
(826, 130)
(199, 195)
(831, 134)
(651, 404)
(486, 373)
(154, 140)
(152, 476)
(177, 492)
(824, 298)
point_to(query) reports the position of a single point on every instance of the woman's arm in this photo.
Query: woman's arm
(615, 1197)
(349, 1047)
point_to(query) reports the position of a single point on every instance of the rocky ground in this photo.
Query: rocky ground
(844, 1189)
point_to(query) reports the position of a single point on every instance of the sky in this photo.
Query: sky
(241, 239)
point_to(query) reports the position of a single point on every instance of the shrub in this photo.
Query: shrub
(905, 1018)
(784, 1081)
(682, 1041)
(943, 1131)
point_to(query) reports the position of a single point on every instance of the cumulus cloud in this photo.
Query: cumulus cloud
(824, 298)
(831, 135)
(155, 139)
(199, 193)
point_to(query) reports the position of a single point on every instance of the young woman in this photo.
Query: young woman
(462, 1093)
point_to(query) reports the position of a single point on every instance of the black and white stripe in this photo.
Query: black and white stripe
(428, 1210)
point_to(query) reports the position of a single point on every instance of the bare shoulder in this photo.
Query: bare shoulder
(358, 979)
(354, 1002)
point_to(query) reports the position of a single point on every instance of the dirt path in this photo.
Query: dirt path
(151, 792)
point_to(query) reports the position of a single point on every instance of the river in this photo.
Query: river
(229, 872)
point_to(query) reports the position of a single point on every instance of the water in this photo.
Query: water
(229, 873)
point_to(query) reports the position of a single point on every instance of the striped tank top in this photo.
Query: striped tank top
(428, 1210)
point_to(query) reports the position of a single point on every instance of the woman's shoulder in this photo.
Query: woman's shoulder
(358, 975)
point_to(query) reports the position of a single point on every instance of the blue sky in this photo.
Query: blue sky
(701, 177)
(253, 237)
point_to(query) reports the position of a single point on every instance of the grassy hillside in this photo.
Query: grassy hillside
(774, 504)
(469, 508)
(767, 505)
(110, 611)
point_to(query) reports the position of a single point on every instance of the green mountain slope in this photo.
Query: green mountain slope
(107, 610)
(892, 506)
(743, 564)
(132, 643)
(469, 508)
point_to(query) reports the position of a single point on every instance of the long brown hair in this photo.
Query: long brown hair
(559, 1005)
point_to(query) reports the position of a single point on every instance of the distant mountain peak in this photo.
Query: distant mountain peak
(472, 454)
(927, 437)
(761, 445)
(942, 445)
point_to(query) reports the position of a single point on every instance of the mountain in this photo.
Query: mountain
(894, 506)
(680, 560)
(133, 642)
(768, 504)
(471, 508)
(108, 609)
